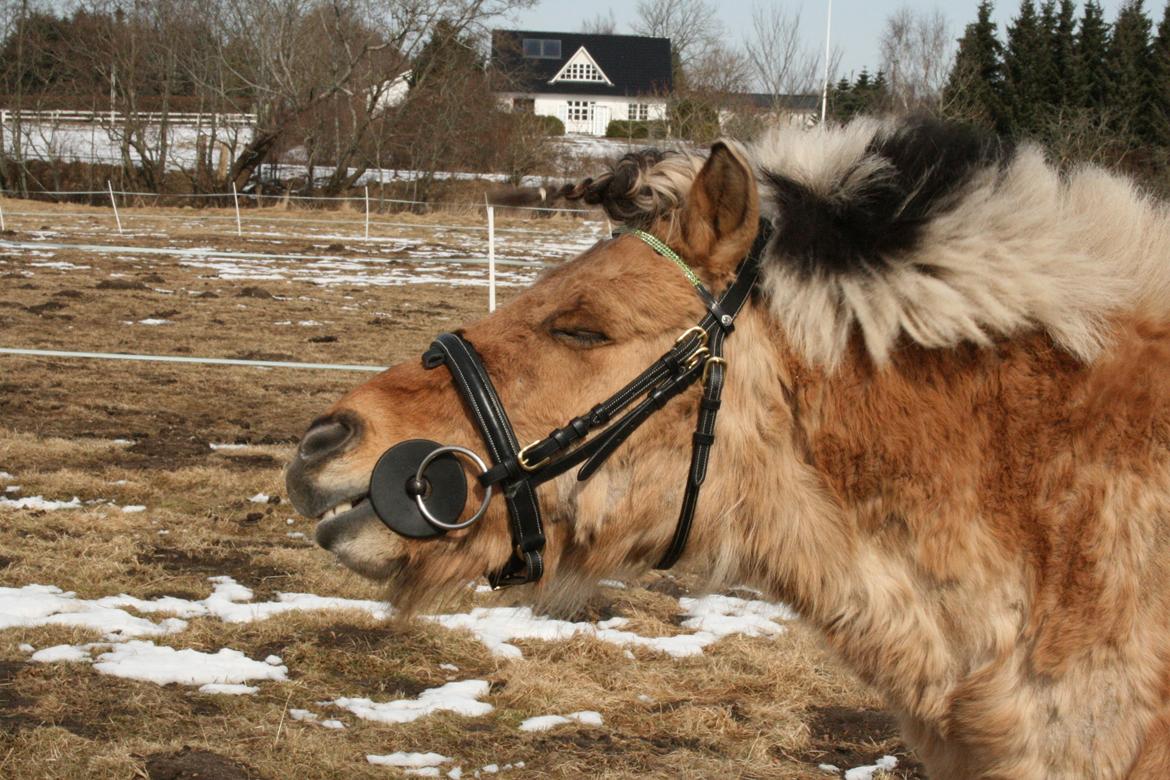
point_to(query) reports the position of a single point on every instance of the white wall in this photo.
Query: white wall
(604, 109)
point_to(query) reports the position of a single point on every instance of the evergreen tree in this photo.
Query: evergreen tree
(842, 101)
(1063, 45)
(1130, 71)
(974, 90)
(1028, 71)
(1092, 69)
(1160, 77)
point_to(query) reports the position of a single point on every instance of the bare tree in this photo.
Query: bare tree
(917, 49)
(601, 24)
(349, 83)
(692, 26)
(780, 61)
(294, 57)
(720, 70)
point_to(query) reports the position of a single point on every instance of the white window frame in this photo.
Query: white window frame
(581, 110)
(581, 68)
(638, 112)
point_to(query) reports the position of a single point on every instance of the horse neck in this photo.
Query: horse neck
(775, 516)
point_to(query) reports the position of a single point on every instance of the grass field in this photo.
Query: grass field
(201, 449)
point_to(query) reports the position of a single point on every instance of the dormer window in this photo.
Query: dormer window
(542, 48)
(583, 71)
(581, 67)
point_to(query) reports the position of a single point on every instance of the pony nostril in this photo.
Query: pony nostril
(327, 437)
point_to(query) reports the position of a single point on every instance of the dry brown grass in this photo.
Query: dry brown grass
(747, 708)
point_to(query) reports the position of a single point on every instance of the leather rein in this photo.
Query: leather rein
(695, 357)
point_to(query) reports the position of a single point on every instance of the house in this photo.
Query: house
(800, 110)
(584, 80)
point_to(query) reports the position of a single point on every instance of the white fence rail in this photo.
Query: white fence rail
(491, 261)
(202, 119)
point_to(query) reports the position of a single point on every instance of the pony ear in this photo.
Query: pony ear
(722, 211)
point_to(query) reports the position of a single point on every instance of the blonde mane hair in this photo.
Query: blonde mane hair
(927, 232)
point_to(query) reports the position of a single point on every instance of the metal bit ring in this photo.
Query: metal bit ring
(422, 507)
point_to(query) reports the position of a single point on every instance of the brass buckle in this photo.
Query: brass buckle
(695, 358)
(700, 332)
(700, 352)
(707, 367)
(522, 458)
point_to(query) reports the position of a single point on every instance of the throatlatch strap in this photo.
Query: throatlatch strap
(701, 441)
(475, 386)
(714, 375)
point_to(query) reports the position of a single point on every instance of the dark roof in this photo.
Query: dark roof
(635, 64)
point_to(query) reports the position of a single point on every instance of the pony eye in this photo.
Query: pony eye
(579, 338)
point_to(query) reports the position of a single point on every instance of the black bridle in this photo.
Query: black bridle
(410, 473)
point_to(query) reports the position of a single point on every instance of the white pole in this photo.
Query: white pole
(2, 227)
(236, 200)
(367, 212)
(825, 86)
(491, 211)
(114, 203)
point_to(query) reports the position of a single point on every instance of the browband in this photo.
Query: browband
(697, 356)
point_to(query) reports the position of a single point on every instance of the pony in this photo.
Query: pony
(944, 437)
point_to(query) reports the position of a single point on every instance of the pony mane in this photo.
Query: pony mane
(927, 232)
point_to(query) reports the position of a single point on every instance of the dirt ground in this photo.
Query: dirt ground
(118, 434)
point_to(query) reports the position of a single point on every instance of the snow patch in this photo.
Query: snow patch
(60, 654)
(228, 689)
(409, 760)
(459, 697)
(712, 618)
(546, 722)
(148, 662)
(45, 605)
(884, 764)
(39, 503)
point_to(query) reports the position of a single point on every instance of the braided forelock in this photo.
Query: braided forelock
(642, 187)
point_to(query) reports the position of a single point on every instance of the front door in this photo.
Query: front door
(585, 117)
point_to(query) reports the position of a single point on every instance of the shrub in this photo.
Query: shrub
(551, 125)
(635, 128)
(626, 128)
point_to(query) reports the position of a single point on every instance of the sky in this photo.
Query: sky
(857, 24)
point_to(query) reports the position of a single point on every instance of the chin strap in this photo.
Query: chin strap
(697, 356)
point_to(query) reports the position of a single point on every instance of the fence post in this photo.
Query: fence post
(367, 212)
(114, 203)
(491, 215)
(236, 200)
(3, 228)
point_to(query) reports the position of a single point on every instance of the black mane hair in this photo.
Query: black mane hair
(860, 227)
